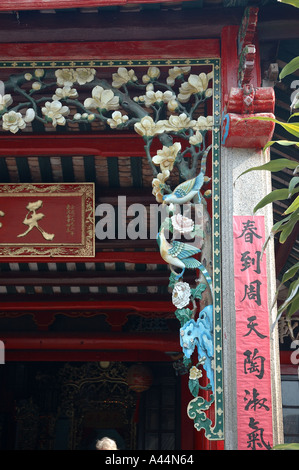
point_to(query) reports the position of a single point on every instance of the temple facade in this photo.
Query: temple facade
(136, 297)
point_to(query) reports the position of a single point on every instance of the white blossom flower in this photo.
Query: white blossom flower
(28, 76)
(158, 184)
(179, 123)
(172, 105)
(148, 128)
(176, 72)
(152, 97)
(36, 86)
(195, 373)
(30, 115)
(39, 73)
(152, 74)
(196, 139)
(84, 75)
(123, 76)
(13, 121)
(195, 84)
(5, 101)
(77, 116)
(203, 123)
(182, 224)
(166, 157)
(102, 99)
(65, 77)
(117, 119)
(55, 112)
(65, 92)
(181, 294)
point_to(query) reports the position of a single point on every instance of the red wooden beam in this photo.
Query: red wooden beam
(87, 305)
(27, 355)
(116, 145)
(57, 4)
(133, 50)
(166, 342)
(138, 257)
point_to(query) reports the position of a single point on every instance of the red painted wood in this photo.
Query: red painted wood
(240, 132)
(104, 145)
(133, 50)
(138, 355)
(229, 61)
(57, 4)
(87, 305)
(163, 342)
(142, 257)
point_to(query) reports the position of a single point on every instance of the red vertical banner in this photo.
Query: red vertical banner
(254, 403)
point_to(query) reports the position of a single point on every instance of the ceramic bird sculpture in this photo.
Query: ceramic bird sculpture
(185, 191)
(177, 254)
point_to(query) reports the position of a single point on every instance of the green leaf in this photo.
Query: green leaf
(172, 280)
(276, 195)
(292, 128)
(293, 307)
(290, 446)
(293, 65)
(274, 165)
(193, 387)
(197, 291)
(183, 315)
(281, 142)
(290, 273)
(294, 181)
(292, 292)
(293, 207)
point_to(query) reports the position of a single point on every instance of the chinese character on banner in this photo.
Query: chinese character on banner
(47, 220)
(254, 404)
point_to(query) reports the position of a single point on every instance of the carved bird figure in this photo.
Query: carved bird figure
(185, 191)
(178, 254)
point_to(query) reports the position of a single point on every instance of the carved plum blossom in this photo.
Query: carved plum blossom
(117, 119)
(179, 123)
(65, 92)
(152, 97)
(181, 294)
(203, 123)
(195, 373)
(158, 184)
(84, 75)
(13, 121)
(122, 77)
(5, 101)
(195, 84)
(39, 73)
(65, 77)
(102, 99)
(152, 74)
(182, 224)
(175, 73)
(148, 128)
(196, 139)
(55, 112)
(167, 156)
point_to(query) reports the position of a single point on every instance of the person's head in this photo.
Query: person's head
(106, 444)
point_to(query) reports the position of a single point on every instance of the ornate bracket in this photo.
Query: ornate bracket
(245, 99)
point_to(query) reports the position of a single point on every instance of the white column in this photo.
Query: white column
(239, 198)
